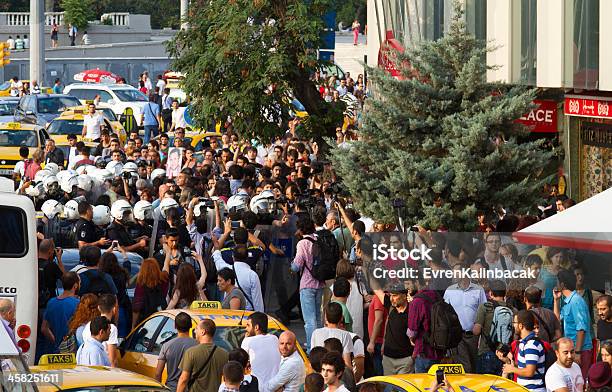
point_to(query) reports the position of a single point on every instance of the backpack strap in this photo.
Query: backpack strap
(502, 259)
(194, 377)
(239, 287)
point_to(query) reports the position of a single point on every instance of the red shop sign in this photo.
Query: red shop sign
(543, 118)
(588, 107)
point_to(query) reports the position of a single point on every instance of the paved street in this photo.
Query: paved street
(348, 56)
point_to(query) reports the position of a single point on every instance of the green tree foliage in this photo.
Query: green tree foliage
(244, 58)
(433, 140)
(14, 6)
(77, 12)
(349, 10)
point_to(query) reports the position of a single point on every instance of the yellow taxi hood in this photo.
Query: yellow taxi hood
(75, 376)
(459, 382)
(10, 153)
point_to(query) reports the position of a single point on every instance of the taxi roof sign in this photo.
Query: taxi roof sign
(448, 368)
(57, 359)
(205, 305)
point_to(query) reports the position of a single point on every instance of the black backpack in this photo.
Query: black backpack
(445, 331)
(97, 284)
(326, 253)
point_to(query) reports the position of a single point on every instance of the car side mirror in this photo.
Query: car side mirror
(111, 102)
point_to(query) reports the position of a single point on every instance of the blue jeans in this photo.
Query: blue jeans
(422, 365)
(150, 131)
(310, 300)
(377, 359)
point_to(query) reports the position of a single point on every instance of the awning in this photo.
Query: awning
(587, 226)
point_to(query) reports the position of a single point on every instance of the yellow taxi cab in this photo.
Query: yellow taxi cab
(139, 350)
(195, 137)
(14, 135)
(70, 122)
(59, 372)
(454, 375)
(5, 88)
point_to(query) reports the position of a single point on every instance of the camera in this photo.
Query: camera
(126, 175)
(339, 189)
(186, 252)
(208, 202)
(235, 225)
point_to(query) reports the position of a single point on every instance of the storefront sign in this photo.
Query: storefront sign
(543, 118)
(588, 107)
(599, 135)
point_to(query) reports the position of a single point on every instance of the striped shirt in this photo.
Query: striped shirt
(531, 352)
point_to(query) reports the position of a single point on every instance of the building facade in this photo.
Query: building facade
(553, 45)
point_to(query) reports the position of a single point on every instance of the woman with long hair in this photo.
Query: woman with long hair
(151, 290)
(557, 260)
(121, 278)
(606, 353)
(86, 311)
(188, 287)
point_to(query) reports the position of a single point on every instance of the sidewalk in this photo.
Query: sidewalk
(348, 56)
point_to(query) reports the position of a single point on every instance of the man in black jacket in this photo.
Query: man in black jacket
(53, 154)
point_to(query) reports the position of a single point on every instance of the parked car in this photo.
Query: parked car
(115, 96)
(13, 135)
(41, 109)
(7, 108)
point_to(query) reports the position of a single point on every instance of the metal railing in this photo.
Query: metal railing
(118, 18)
(23, 18)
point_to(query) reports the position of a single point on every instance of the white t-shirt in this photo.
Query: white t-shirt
(112, 339)
(558, 377)
(93, 124)
(19, 168)
(341, 388)
(161, 84)
(178, 118)
(320, 335)
(264, 357)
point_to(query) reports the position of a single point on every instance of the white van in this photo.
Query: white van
(118, 97)
(19, 264)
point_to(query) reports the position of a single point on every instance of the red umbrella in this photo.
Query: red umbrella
(96, 76)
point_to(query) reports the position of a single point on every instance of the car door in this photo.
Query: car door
(139, 351)
(29, 107)
(20, 109)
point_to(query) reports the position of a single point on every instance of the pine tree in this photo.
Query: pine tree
(443, 139)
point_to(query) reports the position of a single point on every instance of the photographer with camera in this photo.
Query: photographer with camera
(528, 365)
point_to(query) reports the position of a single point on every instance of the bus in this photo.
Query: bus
(19, 264)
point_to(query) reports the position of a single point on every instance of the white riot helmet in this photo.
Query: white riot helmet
(35, 190)
(101, 215)
(71, 210)
(68, 183)
(157, 173)
(51, 184)
(166, 204)
(120, 208)
(85, 182)
(85, 169)
(143, 210)
(130, 167)
(238, 202)
(41, 175)
(52, 167)
(64, 174)
(101, 175)
(264, 203)
(52, 208)
(114, 167)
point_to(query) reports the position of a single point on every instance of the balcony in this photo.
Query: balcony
(23, 18)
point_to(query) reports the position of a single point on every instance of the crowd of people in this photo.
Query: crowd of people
(243, 223)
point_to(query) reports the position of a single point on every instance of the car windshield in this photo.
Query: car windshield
(7, 108)
(56, 104)
(230, 338)
(109, 114)
(130, 95)
(65, 127)
(12, 138)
